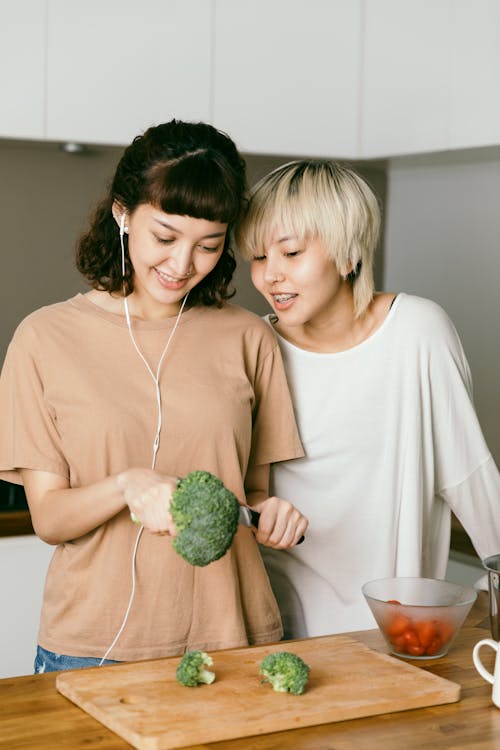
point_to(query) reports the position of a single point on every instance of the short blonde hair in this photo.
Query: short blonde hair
(320, 199)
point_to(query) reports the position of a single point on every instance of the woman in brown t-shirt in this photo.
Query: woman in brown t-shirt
(109, 396)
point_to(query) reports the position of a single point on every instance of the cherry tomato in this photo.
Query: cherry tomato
(398, 642)
(415, 650)
(419, 638)
(434, 647)
(411, 639)
(426, 631)
(445, 630)
(398, 625)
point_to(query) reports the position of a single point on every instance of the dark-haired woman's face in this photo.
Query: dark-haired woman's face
(170, 255)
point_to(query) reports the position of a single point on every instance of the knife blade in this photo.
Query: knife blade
(249, 517)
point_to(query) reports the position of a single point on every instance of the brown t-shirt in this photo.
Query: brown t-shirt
(77, 400)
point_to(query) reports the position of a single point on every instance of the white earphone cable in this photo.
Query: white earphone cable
(156, 444)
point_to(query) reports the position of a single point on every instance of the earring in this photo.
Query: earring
(353, 275)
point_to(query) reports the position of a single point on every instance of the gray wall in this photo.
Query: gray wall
(443, 242)
(45, 197)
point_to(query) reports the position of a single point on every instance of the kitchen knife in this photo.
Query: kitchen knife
(249, 517)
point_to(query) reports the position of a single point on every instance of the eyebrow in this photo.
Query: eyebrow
(287, 237)
(174, 229)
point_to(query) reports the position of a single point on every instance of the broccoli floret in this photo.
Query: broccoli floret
(191, 669)
(206, 516)
(286, 672)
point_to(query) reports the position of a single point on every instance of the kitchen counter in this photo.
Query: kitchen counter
(34, 715)
(15, 523)
(15, 519)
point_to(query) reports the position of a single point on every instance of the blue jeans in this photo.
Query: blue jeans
(48, 661)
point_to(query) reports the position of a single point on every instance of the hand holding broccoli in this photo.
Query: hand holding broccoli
(203, 511)
(148, 494)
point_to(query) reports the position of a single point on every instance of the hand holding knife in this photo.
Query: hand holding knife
(249, 517)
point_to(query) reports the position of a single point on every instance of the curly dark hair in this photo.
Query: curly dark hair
(184, 168)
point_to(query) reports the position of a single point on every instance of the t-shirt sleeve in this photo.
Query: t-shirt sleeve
(466, 476)
(459, 444)
(476, 503)
(275, 436)
(29, 437)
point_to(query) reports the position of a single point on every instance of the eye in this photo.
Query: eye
(258, 257)
(164, 240)
(292, 253)
(209, 249)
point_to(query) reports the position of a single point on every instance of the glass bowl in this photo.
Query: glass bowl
(418, 617)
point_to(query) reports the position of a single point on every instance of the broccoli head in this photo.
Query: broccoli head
(191, 669)
(286, 672)
(206, 516)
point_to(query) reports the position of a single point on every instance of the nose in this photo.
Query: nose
(181, 259)
(272, 271)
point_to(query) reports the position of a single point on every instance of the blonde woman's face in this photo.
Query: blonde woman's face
(298, 279)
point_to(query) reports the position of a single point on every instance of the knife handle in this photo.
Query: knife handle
(255, 522)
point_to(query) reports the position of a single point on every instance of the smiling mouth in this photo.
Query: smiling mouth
(172, 279)
(281, 298)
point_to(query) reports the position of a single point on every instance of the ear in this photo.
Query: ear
(118, 212)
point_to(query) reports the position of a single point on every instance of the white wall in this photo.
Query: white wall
(23, 561)
(443, 242)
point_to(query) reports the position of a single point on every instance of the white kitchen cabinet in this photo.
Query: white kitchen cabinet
(355, 79)
(406, 75)
(286, 75)
(22, 68)
(116, 67)
(23, 561)
(475, 73)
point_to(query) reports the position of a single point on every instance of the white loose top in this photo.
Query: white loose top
(392, 441)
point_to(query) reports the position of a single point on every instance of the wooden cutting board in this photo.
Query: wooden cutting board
(143, 703)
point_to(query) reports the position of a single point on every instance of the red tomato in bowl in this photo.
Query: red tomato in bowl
(398, 625)
(445, 630)
(418, 637)
(426, 631)
(415, 650)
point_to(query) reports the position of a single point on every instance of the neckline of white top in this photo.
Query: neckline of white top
(353, 349)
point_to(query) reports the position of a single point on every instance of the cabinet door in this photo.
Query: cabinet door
(23, 561)
(22, 68)
(475, 73)
(406, 77)
(287, 75)
(116, 67)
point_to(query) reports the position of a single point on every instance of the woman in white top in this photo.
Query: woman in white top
(382, 394)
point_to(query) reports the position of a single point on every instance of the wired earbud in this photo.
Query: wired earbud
(123, 228)
(156, 444)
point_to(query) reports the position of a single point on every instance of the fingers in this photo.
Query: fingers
(148, 496)
(281, 525)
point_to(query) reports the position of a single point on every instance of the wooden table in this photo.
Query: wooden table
(34, 715)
